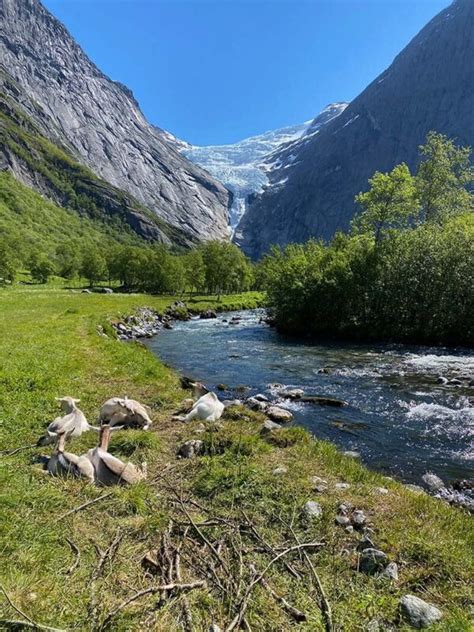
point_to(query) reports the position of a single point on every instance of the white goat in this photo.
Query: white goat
(72, 424)
(108, 469)
(125, 412)
(207, 408)
(64, 463)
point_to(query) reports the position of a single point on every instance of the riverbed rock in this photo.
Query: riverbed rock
(418, 613)
(455, 382)
(191, 449)
(312, 510)
(352, 453)
(322, 401)
(261, 398)
(207, 314)
(441, 380)
(432, 482)
(372, 561)
(255, 404)
(279, 415)
(291, 393)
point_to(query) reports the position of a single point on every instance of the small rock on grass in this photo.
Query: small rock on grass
(269, 426)
(359, 518)
(391, 571)
(381, 490)
(415, 488)
(342, 521)
(365, 543)
(372, 561)
(418, 613)
(191, 448)
(342, 485)
(281, 469)
(352, 453)
(312, 509)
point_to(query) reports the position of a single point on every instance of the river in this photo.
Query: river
(398, 418)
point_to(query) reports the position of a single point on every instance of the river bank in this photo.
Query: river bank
(246, 482)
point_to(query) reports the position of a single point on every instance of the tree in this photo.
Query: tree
(443, 178)
(389, 203)
(194, 270)
(41, 267)
(93, 266)
(8, 263)
(68, 261)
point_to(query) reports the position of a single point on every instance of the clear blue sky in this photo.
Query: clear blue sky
(216, 71)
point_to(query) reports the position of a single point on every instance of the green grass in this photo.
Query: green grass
(49, 346)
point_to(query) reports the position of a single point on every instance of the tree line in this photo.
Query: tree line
(404, 272)
(214, 268)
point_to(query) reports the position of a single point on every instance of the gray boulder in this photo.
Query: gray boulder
(372, 561)
(312, 510)
(432, 482)
(269, 426)
(391, 571)
(418, 613)
(279, 415)
(190, 449)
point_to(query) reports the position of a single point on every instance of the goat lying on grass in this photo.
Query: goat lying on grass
(125, 412)
(72, 424)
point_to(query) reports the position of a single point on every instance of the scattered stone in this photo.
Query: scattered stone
(352, 453)
(228, 403)
(342, 521)
(349, 529)
(214, 628)
(324, 370)
(269, 426)
(391, 572)
(320, 489)
(372, 561)
(278, 414)
(222, 387)
(381, 490)
(441, 380)
(261, 398)
(358, 518)
(274, 386)
(291, 393)
(432, 482)
(342, 485)
(365, 543)
(415, 488)
(368, 531)
(418, 613)
(200, 429)
(345, 507)
(281, 469)
(191, 448)
(455, 382)
(312, 509)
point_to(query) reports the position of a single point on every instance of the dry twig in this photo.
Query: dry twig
(28, 621)
(77, 557)
(84, 505)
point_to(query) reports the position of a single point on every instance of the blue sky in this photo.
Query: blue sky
(216, 71)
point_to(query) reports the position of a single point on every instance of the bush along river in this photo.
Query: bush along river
(409, 410)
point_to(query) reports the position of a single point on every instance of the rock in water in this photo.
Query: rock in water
(312, 510)
(372, 561)
(418, 613)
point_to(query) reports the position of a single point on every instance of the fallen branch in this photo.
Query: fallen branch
(77, 557)
(296, 614)
(237, 620)
(26, 624)
(28, 621)
(325, 606)
(151, 591)
(84, 505)
(16, 450)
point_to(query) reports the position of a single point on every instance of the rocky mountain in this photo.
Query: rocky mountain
(244, 167)
(98, 123)
(429, 86)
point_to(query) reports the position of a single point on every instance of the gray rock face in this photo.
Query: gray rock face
(418, 613)
(101, 122)
(429, 86)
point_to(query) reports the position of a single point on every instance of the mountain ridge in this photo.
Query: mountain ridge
(428, 86)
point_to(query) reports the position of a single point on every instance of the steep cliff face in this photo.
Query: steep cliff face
(429, 86)
(101, 123)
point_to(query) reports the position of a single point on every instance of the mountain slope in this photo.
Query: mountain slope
(244, 167)
(429, 86)
(51, 168)
(101, 123)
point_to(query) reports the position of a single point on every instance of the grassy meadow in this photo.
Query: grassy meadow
(215, 515)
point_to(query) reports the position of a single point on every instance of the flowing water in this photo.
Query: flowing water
(398, 418)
